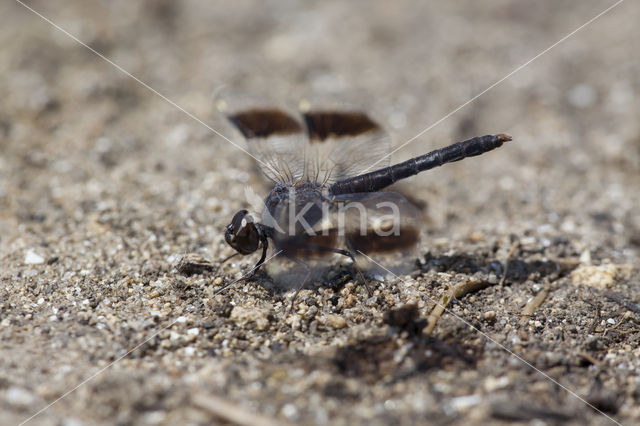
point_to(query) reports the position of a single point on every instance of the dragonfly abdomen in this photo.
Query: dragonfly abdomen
(380, 179)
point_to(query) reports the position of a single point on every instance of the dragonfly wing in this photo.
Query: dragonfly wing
(297, 217)
(333, 143)
(342, 144)
(378, 222)
(274, 137)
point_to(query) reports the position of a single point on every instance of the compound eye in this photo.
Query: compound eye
(242, 234)
(239, 220)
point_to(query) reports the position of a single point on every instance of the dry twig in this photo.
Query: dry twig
(596, 318)
(512, 251)
(227, 410)
(535, 303)
(457, 292)
(587, 357)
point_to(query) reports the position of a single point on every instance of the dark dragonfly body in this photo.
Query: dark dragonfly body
(319, 172)
(380, 179)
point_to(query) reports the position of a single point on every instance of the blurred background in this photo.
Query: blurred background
(71, 120)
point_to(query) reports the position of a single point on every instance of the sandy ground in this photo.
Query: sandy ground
(104, 186)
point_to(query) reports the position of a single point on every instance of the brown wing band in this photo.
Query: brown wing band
(262, 123)
(372, 243)
(326, 124)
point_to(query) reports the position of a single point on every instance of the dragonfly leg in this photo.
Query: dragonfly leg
(303, 282)
(265, 247)
(347, 253)
(252, 271)
(355, 265)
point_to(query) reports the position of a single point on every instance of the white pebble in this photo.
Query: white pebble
(155, 417)
(462, 402)
(290, 411)
(492, 384)
(611, 321)
(585, 257)
(582, 96)
(19, 396)
(528, 241)
(32, 258)
(70, 421)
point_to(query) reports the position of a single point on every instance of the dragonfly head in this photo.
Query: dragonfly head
(242, 233)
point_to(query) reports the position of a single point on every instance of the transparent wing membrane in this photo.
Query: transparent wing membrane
(274, 138)
(310, 224)
(342, 144)
(330, 146)
(379, 222)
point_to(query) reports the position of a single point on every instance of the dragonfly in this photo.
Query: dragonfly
(324, 200)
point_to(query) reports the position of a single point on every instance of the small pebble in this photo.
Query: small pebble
(489, 315)
(336, 321)
(32, 258)
(154, 417)
(290, 411)
(602, 276)
(585, 257)
(582, 96)
(464, 402)
(19, 396)
(244, 316)
(389, 405)
(476, 237)
(492, 384)
(70, 421)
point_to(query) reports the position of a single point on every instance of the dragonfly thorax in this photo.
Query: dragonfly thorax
(290, 209)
